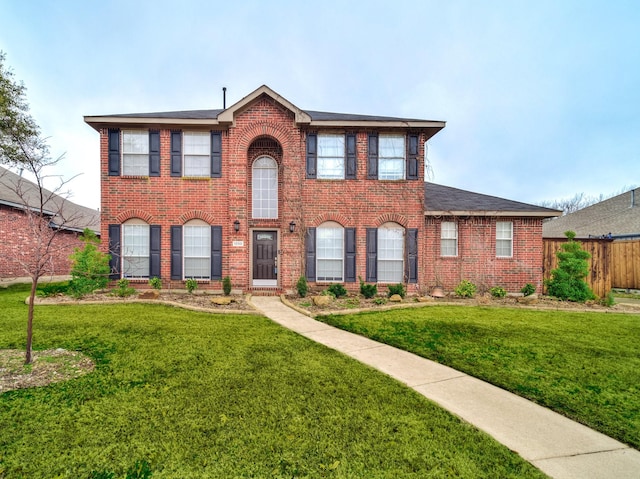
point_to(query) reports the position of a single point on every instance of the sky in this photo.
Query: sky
(541, 98)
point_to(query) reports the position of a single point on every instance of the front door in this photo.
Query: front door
(265, 250)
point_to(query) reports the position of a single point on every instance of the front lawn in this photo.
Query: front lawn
(196, 395)
(584, 365)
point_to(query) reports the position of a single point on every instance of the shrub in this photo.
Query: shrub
(466, 289)
(367, 290)
(567, 280)
(52, 289)
(337, 289)
(498, 292)
(380, 301)
(396, 289)
(302, 286)
(123, 290)
(609, 300)
(155, 283)
(89, 266)
(226, 285)
(191, 285)
(528, 289)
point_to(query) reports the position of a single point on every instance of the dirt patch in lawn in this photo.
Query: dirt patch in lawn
(49, 366)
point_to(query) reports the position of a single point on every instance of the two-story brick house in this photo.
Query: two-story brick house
(264, 192)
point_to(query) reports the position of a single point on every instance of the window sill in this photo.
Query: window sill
(196, 178)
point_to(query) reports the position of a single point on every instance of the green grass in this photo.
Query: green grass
(206, 396)
(584, 365)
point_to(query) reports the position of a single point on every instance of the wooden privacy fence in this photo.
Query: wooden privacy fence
(613, 264)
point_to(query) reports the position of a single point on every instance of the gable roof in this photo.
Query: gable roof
(20, 193)
(226, 117)
(619, 216)
(442, 200)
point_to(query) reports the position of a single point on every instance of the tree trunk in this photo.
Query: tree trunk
(32, 297)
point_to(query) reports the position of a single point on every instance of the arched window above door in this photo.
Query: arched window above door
(264, 188)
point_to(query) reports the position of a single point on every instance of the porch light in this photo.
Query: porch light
(292, 226)
(236, 226)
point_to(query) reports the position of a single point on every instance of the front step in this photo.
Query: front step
(265, 291)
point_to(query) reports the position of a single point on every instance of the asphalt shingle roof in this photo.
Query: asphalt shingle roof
(619, 215)
(440, 199)
(18, 192)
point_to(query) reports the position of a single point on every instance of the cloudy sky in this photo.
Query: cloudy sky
(541, 98)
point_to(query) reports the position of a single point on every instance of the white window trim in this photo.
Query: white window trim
(403, 159)
(206, 155)
(201, 224)
(333, 226)
(321, 173)
(509, 239)
(399, 228)
(254, 203)
(134, 222)
(449, 238)
(137, 155)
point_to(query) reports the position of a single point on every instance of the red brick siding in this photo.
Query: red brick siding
(19, 246)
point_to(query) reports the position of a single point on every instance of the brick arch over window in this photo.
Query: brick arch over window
(196, 215)
(392, 218)
(335, 217)
(129, 214)
(264, 146)
(256, 131)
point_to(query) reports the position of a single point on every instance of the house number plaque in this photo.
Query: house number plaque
(238, 244)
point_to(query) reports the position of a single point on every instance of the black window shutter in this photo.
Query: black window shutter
(114, 152)
(412, 158)
(114, 251)
(216, 154)
(372, 255)
(350, 255)
(154, 153)
(310, 272)
(216, 252)
(154, 250)
(312, 156)
(372, 157)
(176, 252)
(351, 163)
(412, 255)
(176, 156)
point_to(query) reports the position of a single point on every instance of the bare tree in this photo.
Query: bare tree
(580, 201)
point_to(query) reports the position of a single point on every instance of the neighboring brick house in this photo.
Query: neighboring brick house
(264, 192)
(19, 246)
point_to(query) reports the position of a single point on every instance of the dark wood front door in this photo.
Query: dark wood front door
(265, 250)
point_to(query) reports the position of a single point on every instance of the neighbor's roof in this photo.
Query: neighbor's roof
(447, 201)
(226, 117)
(18, 192)
(619, 216)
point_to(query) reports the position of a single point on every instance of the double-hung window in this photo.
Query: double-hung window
(391, 157)
(135, 152)
(135, 249)
(197, 250)
(449, 239)
(331, 156)
(504, 239)
(197, 153)
(390, 253)
(330, 252)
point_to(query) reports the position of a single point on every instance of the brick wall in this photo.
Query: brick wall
(18, 246)
(477, 261)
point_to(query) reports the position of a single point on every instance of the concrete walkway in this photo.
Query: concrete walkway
(561, 448)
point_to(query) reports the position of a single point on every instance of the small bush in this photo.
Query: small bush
(226, 285)
(466, 289)
(396, 289)
(498, 292)
(302, 286)
(89, 266)
(337, 290)
(155, 283)
(568, 279)
(53, 289)
(609, 300)
(528, 289)
(123, 290)
(368, 290)
(380, 301)
(191, 285)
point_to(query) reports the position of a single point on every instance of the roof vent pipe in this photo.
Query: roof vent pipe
(633, 198)
(224, 97)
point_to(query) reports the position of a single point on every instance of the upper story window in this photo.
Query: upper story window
(135, 152)
(391, 160)
(264, 188)
(197, 153)
(504, 239)
(449, 238)
(331, 156)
